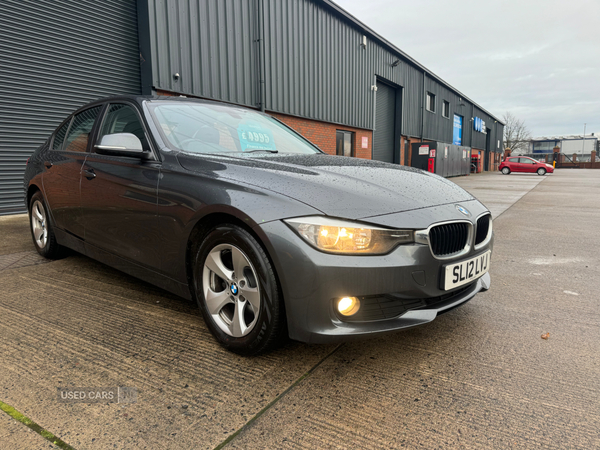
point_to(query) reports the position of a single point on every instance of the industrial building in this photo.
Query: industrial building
(580, 145)
(307, 62)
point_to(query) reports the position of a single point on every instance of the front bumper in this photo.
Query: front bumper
(311, 281)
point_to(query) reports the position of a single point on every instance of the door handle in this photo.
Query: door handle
(48, 164)
(89, 174)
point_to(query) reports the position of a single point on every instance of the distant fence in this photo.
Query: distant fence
(564, 161)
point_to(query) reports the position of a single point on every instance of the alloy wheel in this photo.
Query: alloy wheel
(39, 224)
(231, 291)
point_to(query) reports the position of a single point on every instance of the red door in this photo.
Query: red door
(528, 164)
(513, 164)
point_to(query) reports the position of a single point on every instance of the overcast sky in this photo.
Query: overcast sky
(539, 59)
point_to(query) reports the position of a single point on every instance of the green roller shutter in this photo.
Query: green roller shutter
(56, 55)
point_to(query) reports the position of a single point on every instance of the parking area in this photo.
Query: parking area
(479, 376)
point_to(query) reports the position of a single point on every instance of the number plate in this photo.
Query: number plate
(464, 272)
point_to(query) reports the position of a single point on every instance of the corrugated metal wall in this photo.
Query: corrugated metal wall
(210, 44)
(438, 127)
(479, 139)
(315, 66)
(54, 57)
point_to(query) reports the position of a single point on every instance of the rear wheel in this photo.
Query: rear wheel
(505, 170)
(42, 230)
(541, 171)
(237, 291)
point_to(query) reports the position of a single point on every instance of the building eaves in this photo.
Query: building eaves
(383, 41)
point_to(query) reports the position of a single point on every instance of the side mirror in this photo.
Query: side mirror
(124, 144)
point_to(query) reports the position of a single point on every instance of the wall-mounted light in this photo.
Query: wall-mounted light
(395, 63)
(374, 88)
(363, 44)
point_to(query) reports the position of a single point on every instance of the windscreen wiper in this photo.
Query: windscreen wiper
(260, 150)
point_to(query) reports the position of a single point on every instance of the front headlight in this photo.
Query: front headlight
(339, 236)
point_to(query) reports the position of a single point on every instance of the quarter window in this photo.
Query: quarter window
(430, 102)
(59, 137)
(79, 133)
(122, 118)
(344, 143)
(446, 109)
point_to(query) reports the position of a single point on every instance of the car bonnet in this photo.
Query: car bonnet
(337, 186)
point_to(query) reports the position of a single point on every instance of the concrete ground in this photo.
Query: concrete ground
(477, 377)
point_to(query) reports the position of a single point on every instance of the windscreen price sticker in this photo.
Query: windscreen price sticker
(255, 137)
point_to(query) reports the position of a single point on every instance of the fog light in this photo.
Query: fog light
(348, 306)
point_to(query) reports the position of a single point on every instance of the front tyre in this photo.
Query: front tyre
(42, 230)
(237, 292)
(541, 171)
(505, 170)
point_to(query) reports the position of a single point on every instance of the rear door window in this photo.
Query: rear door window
(79, 133)
(59, 137)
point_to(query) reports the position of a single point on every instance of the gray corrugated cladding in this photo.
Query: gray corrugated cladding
(210, 44)
(54, 57)
(314, 64)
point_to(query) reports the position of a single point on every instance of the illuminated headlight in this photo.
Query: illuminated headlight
(339, 236)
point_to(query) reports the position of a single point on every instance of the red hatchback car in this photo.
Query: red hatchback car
(524, 164)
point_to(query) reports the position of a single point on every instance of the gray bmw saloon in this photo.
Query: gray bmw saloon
(271, 237)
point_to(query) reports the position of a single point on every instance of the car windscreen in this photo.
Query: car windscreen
(212, 128)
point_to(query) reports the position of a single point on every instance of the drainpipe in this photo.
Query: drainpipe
(423, 106)
(472, 125)
(261, 54)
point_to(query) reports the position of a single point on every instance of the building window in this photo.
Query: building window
(430, 102)
(344, 143)
(446, 109)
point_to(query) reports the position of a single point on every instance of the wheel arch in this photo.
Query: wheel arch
(209, 221)
(31, 190)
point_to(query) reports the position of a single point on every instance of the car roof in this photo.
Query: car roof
(139, 99)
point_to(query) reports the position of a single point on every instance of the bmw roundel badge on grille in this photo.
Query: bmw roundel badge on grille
(463, 210)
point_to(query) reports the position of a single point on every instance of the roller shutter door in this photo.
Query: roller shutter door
(54, 57)
(383, 139)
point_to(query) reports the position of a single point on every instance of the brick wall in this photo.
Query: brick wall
(404, 159)
(322, 134)
(480, 153)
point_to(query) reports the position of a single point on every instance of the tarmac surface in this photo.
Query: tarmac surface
(479, 376)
